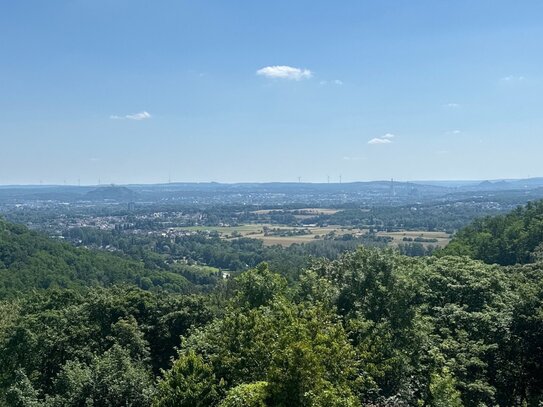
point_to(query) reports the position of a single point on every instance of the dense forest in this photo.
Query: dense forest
(359, 327)
(30, 260)
(508, 239)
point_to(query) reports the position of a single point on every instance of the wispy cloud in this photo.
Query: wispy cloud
(348, 158)
(135, 116)
(379, 141)
(452, 132)
(285, 72)
(336, 82)
(512, 78)
(452, 105)
(385, 139)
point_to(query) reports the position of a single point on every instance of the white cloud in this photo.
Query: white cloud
(380, 141)
(347, 158)
(512, 78)
(284, 72)
(385, 139)
(136, 116)
(452, 105)
(338, 82)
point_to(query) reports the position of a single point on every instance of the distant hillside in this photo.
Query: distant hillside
(112, 192)
(509, 239)
(415, 191)
(30, 260)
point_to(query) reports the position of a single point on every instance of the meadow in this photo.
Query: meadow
(285, 235)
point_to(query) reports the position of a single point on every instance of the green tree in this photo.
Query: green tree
(190, 382)
(259, 286)
(246, 395)
(443, 390)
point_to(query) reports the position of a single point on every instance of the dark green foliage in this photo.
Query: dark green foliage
(29, 260)
(189, 383)
(259, 287)
(429, 216)
(378, 328)
(53, 334)
(111, 379)
(509, 239)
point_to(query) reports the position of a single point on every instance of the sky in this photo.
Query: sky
(134, 91)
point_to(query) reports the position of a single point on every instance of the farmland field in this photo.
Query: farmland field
(287, 235)
(275, 234)
(438, 238)
(228, 230)
(302, 211)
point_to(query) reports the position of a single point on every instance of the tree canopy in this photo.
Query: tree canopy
(371, 327)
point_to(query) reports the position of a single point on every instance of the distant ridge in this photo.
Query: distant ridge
(386, 190)
(112, 192)
(534, 181)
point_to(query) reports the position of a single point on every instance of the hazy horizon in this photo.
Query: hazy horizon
(332, 182)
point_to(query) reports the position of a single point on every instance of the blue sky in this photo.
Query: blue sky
(135, 91)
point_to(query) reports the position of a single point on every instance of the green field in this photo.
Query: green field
(442, 238)
(256, 231)
(228, 230)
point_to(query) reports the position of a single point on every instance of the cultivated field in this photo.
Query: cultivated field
(226, 231)
(302, 211)
(311, 233)
(442, 238)
(257, 231)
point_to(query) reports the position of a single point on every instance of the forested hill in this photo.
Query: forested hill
(370, 328)
(508, 239)
(30, 260)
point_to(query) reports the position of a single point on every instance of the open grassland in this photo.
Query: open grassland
(226, 231)
(302, 211)
(275, 234)
(315, 233)
(287, 235)
(441, 239)
(285, 240)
